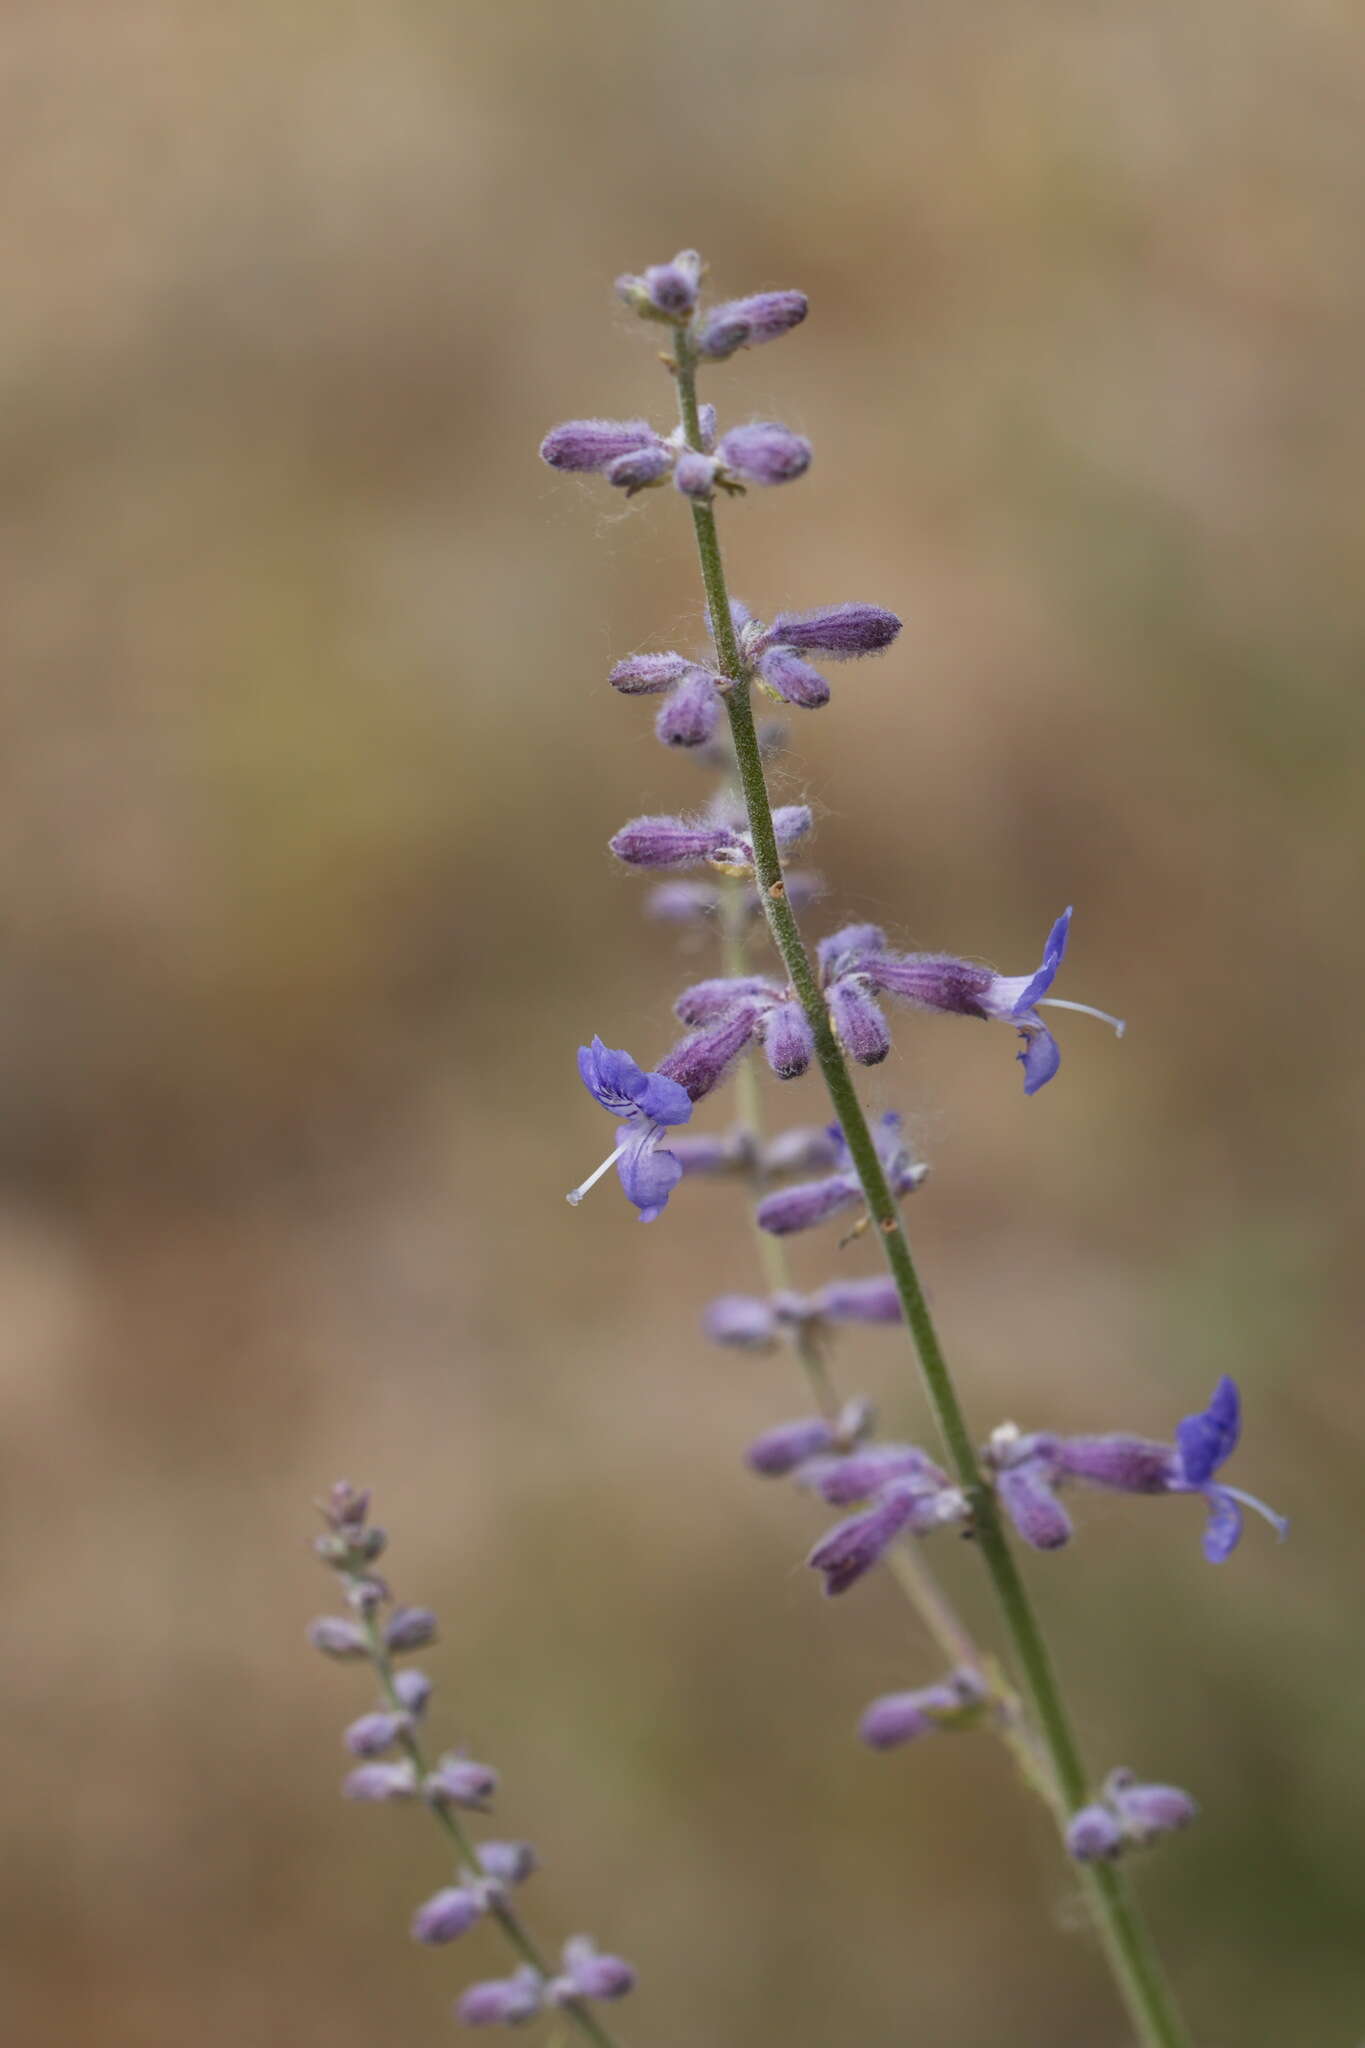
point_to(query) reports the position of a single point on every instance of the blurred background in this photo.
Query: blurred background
(309, 769)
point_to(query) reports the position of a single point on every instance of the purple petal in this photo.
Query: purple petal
(666, 842)
(740, 1319)
(502, 2001)
(1208, 1440)
(649, 1175)
(851, 1549)
(895, 1718)
(744, 323)
(1093, 1835)
(765, 453)
(702, 1061)
(1223, 1531)
(842, 1481)
(1041, 1056)
(640, 468)
(1047, 973)
(1128, 1464)
(707, 1001)
(930, 981)
(446, 1914)
(861, 1301)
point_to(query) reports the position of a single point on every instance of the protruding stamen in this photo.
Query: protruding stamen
(1086, 1009)
(575, 1196)
(1279, 1523)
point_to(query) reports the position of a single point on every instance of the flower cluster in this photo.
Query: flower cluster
(1029, 1469)
(393, 1766)
(632, 457)
(1127, 1815)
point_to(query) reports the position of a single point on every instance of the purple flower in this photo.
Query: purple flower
(380, 1781)
(593, 445)
(503, 2001)
(447, 1914)
(1027, 1469)
(897, 1717)
(683, 842)
(667, 291)
(862, 1474)
(459, 1781)
(587, 1973)
(744, 323)
(873, 1300)
(842, 632)
(852, 1548)
(939, 981)
(764, 452)
(410, 1628)
(1094, 1835)
(778, 1019)
(692, 695)
(336, 1637)
(695, 474)
(811, 1202)
(372, 1734)
(646, 1105)
(742, 1320)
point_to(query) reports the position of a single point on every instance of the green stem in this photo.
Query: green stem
(467, 1854)
(1127, 1944)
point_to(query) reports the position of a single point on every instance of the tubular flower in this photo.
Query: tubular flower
(647, 1105)
(939, 981)
(720, 839)
(1027, 1470)
(633, 457)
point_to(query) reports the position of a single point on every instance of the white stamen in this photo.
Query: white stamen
(1086, 1009)
(1279, 1523)
(577, 1194)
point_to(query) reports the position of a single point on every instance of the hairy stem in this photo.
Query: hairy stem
(1126, 1942)
(466, 1850)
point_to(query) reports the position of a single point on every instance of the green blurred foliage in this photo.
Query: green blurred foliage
(309, 769)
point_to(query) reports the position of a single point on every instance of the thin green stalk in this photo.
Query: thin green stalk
(1128, 1946)
(467, 1853)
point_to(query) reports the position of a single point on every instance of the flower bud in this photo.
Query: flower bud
(1129, 1464)
(338, 1638)
(791, 822)
(593, 444)
(779, 1451)
(372, 1734)
(701, 1062)
(695, 475)
(346, 1506)
(1148, 1810)
(873, 1300)
(851, 1549)
(788, 1040)
(765, 452)
(410, 1628)
(1093, 1835)
(446, 1914)
(1033, 1507)
(665, 842)
(707, 1001)
(742, 1320)
(842, 631)
(381, 1781)
(414, 1689)
(861, 1474)
(689, 713)
(589, 1974)
(744, 323)
(638, 468)
(858, 1024)
(507, 1862)
(792, 679)
(459, 1781)
(803, 1206)
(643, 675)
(502, 2001)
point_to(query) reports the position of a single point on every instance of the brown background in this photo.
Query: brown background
(309, 770)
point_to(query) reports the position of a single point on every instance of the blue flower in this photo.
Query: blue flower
(646, 1105)
(1027, 1469)
(939, 981)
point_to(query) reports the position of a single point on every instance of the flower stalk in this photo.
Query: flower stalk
(1127, 1944)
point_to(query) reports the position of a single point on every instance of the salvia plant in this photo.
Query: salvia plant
(800, 1009)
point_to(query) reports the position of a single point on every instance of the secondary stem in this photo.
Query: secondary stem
(508, 1919)
(1127, 1944)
